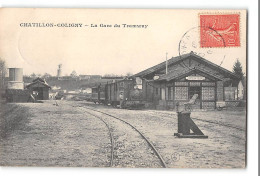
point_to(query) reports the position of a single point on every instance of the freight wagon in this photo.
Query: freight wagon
(121, 92)
(98, 94)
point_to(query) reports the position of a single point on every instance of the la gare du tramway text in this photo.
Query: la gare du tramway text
(79, 25)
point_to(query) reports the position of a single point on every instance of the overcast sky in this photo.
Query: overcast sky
(104, 50)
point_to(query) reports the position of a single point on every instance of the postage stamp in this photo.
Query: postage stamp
(219, 30)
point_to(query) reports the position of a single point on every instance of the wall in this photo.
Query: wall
(220, 91)
(45, 93)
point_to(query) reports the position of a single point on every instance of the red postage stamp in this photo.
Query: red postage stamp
(219, 30)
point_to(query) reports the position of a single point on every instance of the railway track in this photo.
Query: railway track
(150, 144)
(111, 138)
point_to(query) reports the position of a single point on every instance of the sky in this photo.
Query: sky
(106, 50)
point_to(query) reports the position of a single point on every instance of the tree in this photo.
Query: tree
(73, 74)
(128, 74)
(2, 72)
(237, 70)
(46, 75)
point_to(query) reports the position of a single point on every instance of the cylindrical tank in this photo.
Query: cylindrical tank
(16, 74)
(15, 78)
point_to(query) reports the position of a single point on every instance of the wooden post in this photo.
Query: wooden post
(185, 124)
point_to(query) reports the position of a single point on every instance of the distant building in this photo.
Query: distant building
(240, 89)
(86, 77)
(66, 78)
(87, 90)
(83, 77)
(56, 87)
(112, 77)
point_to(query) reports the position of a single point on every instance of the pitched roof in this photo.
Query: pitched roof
(174, 60)
(38, 81)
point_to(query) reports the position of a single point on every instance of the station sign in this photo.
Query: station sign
(195, 78)
(156, 77)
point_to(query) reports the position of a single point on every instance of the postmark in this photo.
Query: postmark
(190, 42)
(216, 27)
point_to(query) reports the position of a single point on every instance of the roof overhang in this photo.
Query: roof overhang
(178, 59)
(38, 82)
(175, 76)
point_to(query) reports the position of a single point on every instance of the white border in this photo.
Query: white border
(251, 6)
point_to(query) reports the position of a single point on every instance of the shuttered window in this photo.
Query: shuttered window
(208, 93)
(181, 93)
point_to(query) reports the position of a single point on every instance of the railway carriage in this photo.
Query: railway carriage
(115, 92)
(98, 94)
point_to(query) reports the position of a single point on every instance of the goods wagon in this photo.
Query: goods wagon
(98, 94)
(123, 93)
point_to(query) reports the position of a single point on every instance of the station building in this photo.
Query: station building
(187, 75)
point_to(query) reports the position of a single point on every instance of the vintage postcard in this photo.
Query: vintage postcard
(123, 88)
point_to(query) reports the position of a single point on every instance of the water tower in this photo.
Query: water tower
(15, 78)
(59, 70)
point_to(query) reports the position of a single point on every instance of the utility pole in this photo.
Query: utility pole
(166, 63)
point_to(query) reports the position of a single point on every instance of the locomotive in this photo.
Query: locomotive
(120, 92)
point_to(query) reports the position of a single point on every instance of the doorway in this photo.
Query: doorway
(195, 90)
(162, 93)
(39, 91)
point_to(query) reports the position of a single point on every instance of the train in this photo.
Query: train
(124, 93)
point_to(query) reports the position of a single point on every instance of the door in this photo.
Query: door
(162, 93)
(195, 90)
(39, 91)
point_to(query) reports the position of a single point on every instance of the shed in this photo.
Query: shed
(40, 87)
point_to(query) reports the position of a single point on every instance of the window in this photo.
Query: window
(208, 93)
(208, 84)
(169, 93)
(230, 93)
(181, 83)
(181, 93)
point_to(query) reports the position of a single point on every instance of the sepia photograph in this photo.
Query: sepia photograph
(123, 88)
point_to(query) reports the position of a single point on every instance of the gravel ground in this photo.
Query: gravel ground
(49, 135)
(55, 136)
(225, 147)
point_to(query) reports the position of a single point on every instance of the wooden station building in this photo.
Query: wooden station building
(187, 75)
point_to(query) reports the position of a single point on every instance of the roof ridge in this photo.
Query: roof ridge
(164, 63)
(178, 58)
